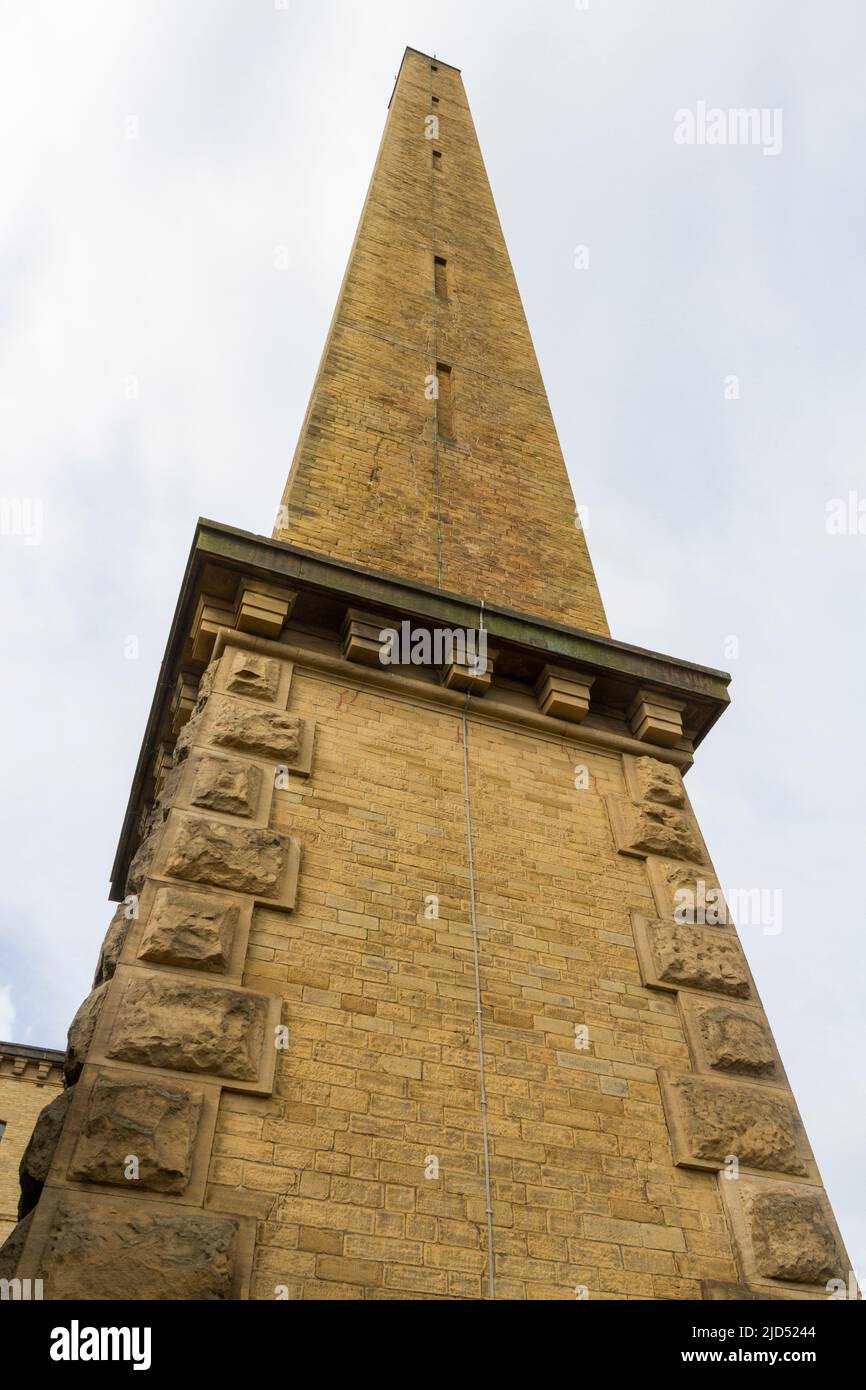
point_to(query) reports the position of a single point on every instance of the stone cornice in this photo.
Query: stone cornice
(31, 1063)
(623, 677)
(357, 585)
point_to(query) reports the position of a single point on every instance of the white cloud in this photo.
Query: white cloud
(7, 1014)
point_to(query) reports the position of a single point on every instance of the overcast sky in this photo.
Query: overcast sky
(705, 369)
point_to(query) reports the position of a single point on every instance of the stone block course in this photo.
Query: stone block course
(93, 1249)
(688, 957)
(226, 785)
(153, 1122)
(253, 675)
(713, 1121)
(167, 1022)
(242, 858)
(191, 930)
(258, 732)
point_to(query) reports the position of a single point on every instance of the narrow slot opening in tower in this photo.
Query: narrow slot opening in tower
(445, 405)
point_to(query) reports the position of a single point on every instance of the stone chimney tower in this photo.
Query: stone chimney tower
(421, 983)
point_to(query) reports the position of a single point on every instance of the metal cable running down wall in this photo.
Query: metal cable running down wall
(467, 803)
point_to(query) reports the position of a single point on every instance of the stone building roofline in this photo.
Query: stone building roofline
(31, 1063)
(32, 1054)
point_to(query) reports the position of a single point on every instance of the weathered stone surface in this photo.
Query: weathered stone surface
(81, 1031)
(792, 1238)
(112, 945)
(194, 930)
(228, 785)
(246, 859)
(692, 893)
(142, 861)
(187, 736)
(153, 1121)
(263, 733)
(652, 828)
(167, 792)
(10, 1250)
(659, 781)
(36, 1159)
(562, 694)
(735, 1041)
(700, 958)
(173, 1023)
(183, 700)
(263, 608)
(718, 1121)
(252, 674)
(93, 1250)
(656, 718)
(206, 684)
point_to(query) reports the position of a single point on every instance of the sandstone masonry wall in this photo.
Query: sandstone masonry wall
(377, 479)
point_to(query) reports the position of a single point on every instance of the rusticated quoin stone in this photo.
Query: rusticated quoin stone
(693, 894)
(718, 1121)
(153, 1121)
(240, 857)
(188, 736)
(652, 828)
(189, 733)
(36, 1158)
(227, 785)
(94, 1249)
(253, 674)
(112, 945)
(167, 792)
(792, 1239)
(193, 930)
(206, 684)
(176, 1024)
(142, 861)
(700, 958)
(735, 1041)
(81, 1031)
(658, 781)
(263, 733)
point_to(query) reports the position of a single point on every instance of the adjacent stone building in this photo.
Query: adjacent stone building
(30, 1077)
(411, 991)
